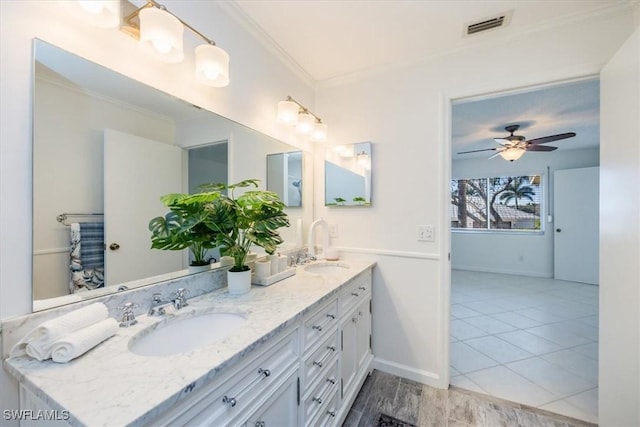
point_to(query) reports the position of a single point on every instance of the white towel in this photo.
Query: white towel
(83, 340)
(37, 343)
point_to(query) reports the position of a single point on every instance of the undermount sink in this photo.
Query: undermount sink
(326, 268)
(182, 334)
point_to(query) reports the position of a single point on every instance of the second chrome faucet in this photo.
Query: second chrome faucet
(158, 305)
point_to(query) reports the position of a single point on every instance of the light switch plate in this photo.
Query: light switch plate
(425, 233)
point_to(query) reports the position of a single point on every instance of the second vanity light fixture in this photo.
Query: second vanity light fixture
(291, 112)
(161, 34)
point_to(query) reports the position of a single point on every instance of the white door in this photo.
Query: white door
(576, 210)
(137, 171)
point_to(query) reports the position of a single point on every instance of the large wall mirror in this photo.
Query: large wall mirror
(105, 148)
(347, 175)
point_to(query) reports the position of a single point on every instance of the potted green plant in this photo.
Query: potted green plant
(186, 225)
(253, 218)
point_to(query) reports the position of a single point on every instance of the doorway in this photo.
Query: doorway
(516, 332)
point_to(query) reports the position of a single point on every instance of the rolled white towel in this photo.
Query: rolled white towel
(37, 343)
(83, 340)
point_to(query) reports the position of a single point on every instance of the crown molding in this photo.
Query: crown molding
(240, 16)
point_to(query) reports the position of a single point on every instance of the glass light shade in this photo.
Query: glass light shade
(512, 154)
(161, 34)
(212, 65)
(319, 132)
(305, 123)
(101, 13)
(287, 112)
(364, 160)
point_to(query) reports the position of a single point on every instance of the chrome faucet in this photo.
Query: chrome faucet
(303, 257)
(158, 305)
(181, 298)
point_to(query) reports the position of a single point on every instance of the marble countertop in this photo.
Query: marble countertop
(110, 386)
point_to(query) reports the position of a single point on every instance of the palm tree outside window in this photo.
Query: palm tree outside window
(497, 203)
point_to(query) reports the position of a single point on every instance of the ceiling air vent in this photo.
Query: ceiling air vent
(489, 23)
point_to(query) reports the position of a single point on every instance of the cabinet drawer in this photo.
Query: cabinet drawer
(355, 293)
(238, 393)
(322, 395)
(320, 360)
(318, 325)
(327, 415)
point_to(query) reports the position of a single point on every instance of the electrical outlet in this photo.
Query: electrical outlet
(333, 231)
(425, 233)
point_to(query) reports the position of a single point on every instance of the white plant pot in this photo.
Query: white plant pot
(239, 282)
(199, 268)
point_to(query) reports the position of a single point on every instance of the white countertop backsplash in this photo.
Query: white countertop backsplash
(111, 386)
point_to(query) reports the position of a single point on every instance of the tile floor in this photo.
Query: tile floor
(529, 340)
(424, 406)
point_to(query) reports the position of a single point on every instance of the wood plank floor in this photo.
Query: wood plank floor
(422, 405)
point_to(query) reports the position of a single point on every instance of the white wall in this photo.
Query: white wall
(619, 362)
(529, 255)
(406, 112)
(258, 81)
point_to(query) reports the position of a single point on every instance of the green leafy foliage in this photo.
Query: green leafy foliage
(213, 219)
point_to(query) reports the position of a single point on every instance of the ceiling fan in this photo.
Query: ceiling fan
(513, 146)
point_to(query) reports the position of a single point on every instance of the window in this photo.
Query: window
(497, 203)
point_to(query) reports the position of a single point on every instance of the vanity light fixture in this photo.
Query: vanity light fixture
(291, 112)
(364, 160)
(101, 13)
(161, 34)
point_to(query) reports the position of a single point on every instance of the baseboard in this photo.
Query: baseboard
(501, 271)
(425, 377)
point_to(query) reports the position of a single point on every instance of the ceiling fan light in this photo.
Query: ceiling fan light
(161, 34)
(305, 123)
(287, 112)
(212, 65)
(513, 153)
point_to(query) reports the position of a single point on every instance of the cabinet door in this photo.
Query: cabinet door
(349, 362)
(363, 344)
(281, 409)
(356, 332)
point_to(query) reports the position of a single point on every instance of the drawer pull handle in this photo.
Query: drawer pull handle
(327, 390)
(232, 401)
(331, 413)
(321, 362)
(362, 288)
(329, 317)
(355, 294)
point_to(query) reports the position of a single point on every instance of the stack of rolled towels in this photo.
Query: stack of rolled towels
(66, 337)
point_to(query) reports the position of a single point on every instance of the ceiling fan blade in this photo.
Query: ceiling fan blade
(540, 148)
(476, 151)
(551, 138)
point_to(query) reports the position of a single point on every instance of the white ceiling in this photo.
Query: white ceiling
(333, 38)
(330, 39)
(573, 107)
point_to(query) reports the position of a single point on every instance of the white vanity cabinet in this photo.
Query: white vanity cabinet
(259, 387)
(308, 373)
(355, 326)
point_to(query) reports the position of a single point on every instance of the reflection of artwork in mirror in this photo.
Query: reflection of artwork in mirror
(106, 144)
(347, 175)
(284, 177)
